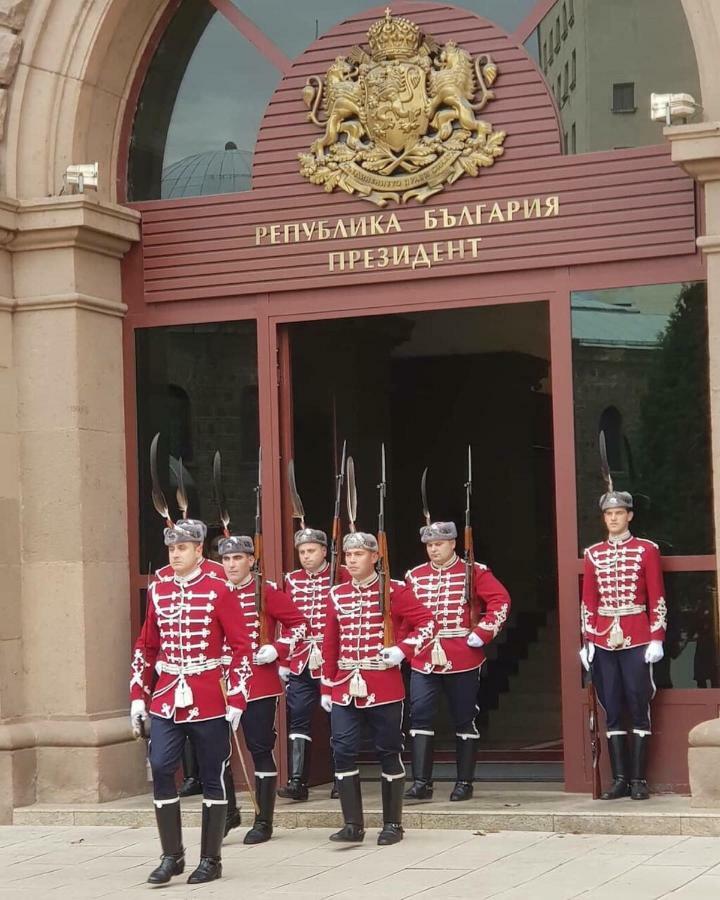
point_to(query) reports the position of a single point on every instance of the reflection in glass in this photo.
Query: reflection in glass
(640, 370)
(199, 110)
(691, 646)
(600, 81)
(197, 386)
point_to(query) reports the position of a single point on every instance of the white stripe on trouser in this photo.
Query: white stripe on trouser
(414, 731)
(266, 774)
(299, 737)
(468, 737)
(641, 732)
(160, 803)
(209, 802)
(341, 775)
(613, 733)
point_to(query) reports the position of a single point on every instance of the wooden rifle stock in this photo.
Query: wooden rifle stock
(594, 737)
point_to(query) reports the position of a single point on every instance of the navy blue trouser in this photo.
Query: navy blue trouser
(303, 695)
(210, 741)
(258, 725)
(461, 690)
(385, 724)
(623, 681)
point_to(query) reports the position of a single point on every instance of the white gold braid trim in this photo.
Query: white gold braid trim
(659, 623)
(499, 620)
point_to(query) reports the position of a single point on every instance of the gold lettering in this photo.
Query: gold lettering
(552, 206)
(401, 255)
(340, 257)
(533, 209)
(340, 230)
(260, 233)
(421, 258)
(453, 248)
(496, 214)
(430, 220)
(393, 224)
(474, 245)
(512, 207)
(384, 260)
(465, 217)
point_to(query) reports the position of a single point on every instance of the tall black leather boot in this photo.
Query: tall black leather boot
(353, 831)
(191, 774)
(618, 763)
(422, 765)
(297, 786)
(265, 790)
(233, 818)
(392, 801)
(466, 753)
(172, 861)
(213, 831)
(638, 784)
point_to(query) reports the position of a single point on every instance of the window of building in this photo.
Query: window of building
(571, 17)
(573, 139)
(623, 99)
(559, 88)
(573, 69)
(545, 57)
(564, 20)
(566, 80)
(557, 34)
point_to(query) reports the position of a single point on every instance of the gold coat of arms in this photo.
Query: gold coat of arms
(400, 121)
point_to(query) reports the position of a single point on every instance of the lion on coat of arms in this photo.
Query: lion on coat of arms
(400, 121)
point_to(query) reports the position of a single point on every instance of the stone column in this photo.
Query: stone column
(65, 622)
(697, 149)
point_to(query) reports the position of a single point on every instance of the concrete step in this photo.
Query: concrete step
(496, 807)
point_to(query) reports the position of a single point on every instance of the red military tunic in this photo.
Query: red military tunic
(278, 609)
(354, 638)
(186, 625)
(623, 598)
(310, 591)
(443, 591)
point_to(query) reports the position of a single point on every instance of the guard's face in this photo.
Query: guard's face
(360, 563)
(312, 556)
(617, 520)
(237, 566)
(440, 552)
(184, 557)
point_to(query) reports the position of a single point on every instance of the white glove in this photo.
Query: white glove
(587, 654)
(265, 655)
(284, 673)
(392, 656)
(474, 640)
(138, 715)
(654, 652)
(326, 702)
(233, 715)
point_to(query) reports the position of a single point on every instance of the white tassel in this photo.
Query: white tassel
(358, 685)
(315, 660)
(183, 695)
(438, 656)
(616, 637)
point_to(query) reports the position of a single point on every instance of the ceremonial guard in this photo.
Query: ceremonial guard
(309, 587)
(275, 608)
(624, 617)
(177, 669)
(470, 606)
(361, 681)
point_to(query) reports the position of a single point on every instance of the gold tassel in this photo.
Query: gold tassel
(616, 637)
(438, 656)
(358, 685)
(315, 660)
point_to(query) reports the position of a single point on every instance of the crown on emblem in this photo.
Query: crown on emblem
(393, 38)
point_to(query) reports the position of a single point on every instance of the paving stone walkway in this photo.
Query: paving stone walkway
(110, 862)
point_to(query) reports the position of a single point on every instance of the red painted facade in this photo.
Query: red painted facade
(623, 218)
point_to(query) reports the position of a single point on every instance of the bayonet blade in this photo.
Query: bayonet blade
(220, 493)
(469, 481)
(158, 498)
(604, 466)
(298, 511)
(351, 493)
(423, 494)
(342, 462)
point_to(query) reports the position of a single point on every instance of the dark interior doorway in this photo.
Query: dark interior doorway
(427, 385)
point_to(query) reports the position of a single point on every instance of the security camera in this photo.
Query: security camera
(669, 108)
(83, 175)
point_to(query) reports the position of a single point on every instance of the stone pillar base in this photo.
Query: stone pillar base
(704, 764)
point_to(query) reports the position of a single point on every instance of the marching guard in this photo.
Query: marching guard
(189, 618)
(624, 618)
(361, 681)
(471, 606)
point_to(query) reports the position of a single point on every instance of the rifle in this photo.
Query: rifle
(335, 543)
(258, 566)
(469, 558)
(383, 563)
(594, 737)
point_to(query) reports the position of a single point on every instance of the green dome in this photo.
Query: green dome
(215, 172)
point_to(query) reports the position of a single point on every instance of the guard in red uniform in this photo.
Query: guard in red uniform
(362, 683)
(189, 617)
(309, 587)
(624, 617)
(452, 663)
(238, 559)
